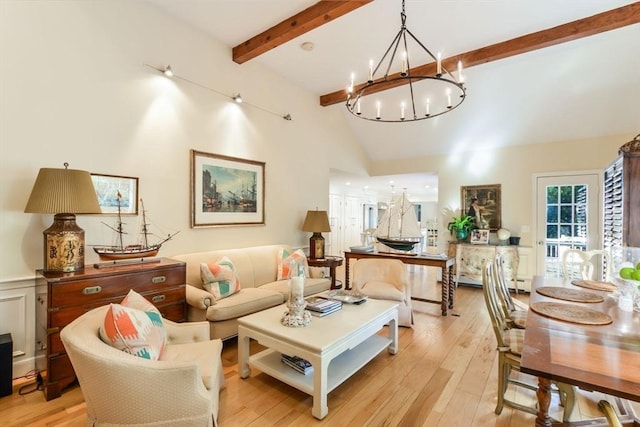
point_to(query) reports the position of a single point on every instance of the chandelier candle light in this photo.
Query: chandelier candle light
(437, 89)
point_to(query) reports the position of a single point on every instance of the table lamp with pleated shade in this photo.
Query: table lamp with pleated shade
(64, 193)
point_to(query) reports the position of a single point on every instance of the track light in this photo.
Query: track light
(168, 72)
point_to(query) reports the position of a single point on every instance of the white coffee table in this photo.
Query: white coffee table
(337, 346)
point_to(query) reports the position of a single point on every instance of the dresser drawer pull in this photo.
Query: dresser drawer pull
(92, 290)
(158, 298)
(159, 279)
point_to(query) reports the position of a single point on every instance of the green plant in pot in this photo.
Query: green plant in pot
(461, 226)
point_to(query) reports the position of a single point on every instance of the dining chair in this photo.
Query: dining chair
(510, 341)
(586, 265)
(514, 310)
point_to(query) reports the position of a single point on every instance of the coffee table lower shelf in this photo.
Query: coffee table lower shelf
(341, 367)
(336, 345)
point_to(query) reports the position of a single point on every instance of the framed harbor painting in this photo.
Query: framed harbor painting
(490, 202)
(226, 190)
(113, 190)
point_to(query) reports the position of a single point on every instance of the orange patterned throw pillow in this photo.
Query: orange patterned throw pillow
(135, 326)
(284, 262)
(219, 278)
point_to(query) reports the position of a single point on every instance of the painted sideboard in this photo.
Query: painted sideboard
(469, 260)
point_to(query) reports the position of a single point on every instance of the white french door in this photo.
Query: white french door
(568, 215)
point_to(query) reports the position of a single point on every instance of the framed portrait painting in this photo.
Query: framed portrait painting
(113, 190)
(490, 202)
(226, 190)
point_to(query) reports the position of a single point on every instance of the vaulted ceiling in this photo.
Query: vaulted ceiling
(536, 71)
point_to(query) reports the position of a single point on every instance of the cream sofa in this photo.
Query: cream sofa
(257, 270)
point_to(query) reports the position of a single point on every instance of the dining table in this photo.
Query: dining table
(596, 345)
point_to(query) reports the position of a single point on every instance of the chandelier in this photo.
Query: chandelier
(436, 94)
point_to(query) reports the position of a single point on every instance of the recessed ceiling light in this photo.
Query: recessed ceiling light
(308, 46)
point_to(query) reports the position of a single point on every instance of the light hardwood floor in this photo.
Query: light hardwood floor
(444, 374)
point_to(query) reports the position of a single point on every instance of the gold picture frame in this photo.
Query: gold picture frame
(226, 191)
(490, 201)
(107, 189)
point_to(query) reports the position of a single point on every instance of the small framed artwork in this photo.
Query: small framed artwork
(226, 190)
(479, 237)
(489, 202)
(116, 192)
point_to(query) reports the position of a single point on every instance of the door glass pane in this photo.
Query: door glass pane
(566, 194)
(580, 214)
(566, 214)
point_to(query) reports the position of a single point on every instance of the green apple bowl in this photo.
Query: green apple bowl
(626, 273)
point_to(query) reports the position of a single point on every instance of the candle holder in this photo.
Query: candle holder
(296, 316)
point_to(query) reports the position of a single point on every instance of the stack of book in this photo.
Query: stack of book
(298, 363)
(319, 306)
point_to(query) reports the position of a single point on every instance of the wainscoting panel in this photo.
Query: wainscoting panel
(17, 317)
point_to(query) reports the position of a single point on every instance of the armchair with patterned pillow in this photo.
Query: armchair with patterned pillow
(126, 386)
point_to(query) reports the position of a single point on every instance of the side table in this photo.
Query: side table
(330, 262)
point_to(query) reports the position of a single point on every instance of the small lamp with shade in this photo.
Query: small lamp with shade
(316, 222)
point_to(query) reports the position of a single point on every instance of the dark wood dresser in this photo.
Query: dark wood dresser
(62, 297)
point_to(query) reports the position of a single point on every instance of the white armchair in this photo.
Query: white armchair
(180, 389)
(385, 279)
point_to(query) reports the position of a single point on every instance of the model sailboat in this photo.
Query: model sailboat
(399, 228)
(139, 250)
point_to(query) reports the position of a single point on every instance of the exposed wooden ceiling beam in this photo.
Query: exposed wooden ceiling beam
(313, 17)
(610, 20)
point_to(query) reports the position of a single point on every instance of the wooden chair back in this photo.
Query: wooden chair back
(586, 265)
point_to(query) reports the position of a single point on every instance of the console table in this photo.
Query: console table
(469, 260)
(446, 264)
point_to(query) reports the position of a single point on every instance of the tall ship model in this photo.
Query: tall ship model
(399, 228)
(139, 250)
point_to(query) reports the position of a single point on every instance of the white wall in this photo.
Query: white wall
(73, 89)
(511, 167)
